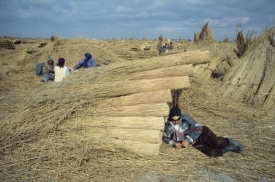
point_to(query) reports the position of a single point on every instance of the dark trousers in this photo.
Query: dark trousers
(209, 144)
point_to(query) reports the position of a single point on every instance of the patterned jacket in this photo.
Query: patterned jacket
(190, 128)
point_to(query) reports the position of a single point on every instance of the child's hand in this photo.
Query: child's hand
(178, 145)
(185, 143)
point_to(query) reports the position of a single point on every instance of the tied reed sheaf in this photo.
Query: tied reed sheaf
(34, 146)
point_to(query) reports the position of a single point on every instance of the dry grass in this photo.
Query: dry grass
(252, 77)
(34, 148)
(243, 43)
(205, 35)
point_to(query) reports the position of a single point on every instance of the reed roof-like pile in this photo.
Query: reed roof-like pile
(252, 79)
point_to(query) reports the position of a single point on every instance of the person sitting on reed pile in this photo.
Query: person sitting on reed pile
(170, 46)
(160, 48)
(60, 70)
(166, 47)
(87, 62)
(181, 130)
(46, 69)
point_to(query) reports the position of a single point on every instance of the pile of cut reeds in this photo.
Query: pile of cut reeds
(205, 35)
(252, 79)
(93, 93)
(61, 155)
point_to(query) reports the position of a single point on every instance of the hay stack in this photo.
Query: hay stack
(253, 79)
(107, 81)
(162, 62)
(127, 89)
(132, 107)
(73, 50)
(205, 35)
(242, 43)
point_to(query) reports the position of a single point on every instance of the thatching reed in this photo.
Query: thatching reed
(252, 79)
(116, 79)
(222, 68)
(243, 43)
(33, 147)
(84, 93)
(61, 157)
(205, 35)
(159, 96)
(239, 121)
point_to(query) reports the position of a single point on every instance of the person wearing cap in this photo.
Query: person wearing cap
(48, 70)
(60, 70)
(181, 130)
(87, 62)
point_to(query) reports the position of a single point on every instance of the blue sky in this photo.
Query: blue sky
(107, 19)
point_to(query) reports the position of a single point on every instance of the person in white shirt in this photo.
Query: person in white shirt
(60, 70)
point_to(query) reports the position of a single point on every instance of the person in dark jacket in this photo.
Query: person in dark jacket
(87, 62)
(48, 70)
(181, 130)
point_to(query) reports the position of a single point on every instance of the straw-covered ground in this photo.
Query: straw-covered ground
(33, 149)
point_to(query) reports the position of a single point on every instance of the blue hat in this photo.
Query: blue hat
(88, 55)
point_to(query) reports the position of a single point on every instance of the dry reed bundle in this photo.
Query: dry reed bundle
(148, 122)
(191, 57)
(58, 100)
(222, 67)
(115, 72)
(205, 35)
(120, 135)
(159, 96)
(252, 80)
(65, 93)
(130, 117)
(56, 103)
(142, 110)
(173, 71)
(109, 74)
(145, 69)
(244, 43)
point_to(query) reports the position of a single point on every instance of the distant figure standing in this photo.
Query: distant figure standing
(87, 62)
(160, 39)
(60, 70)
(160, 48)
